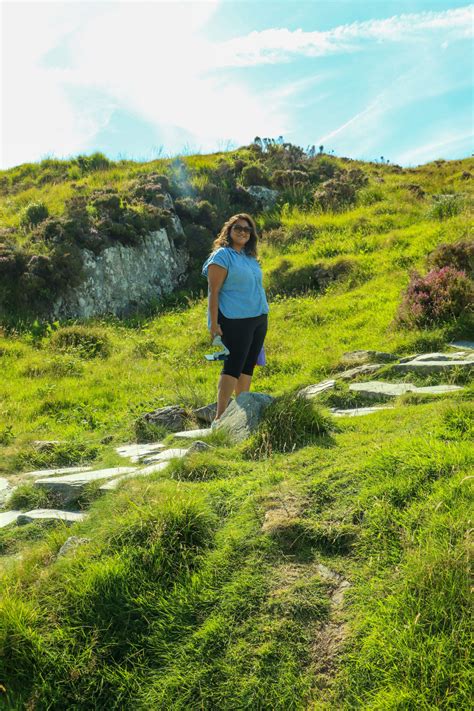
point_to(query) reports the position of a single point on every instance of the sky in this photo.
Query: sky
(142, 80)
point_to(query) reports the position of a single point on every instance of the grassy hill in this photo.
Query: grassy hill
(332, 575)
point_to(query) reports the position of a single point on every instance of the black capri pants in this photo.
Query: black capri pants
(244, 338)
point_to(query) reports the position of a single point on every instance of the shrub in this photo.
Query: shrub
(289, 178)
(27, 496)
(335, 194)
(459, 255)
(89, 342)
(89, 164)
(440, 296)
(254, 174)
(33, 214)
(149, 189)
(446, 206)
(314, 277)
(287, 423)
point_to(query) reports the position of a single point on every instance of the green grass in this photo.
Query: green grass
(201, 586)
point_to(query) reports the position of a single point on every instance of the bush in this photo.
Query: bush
(27, 497)
(459, 255)
(446, 206)
(336, 194)
(33, 214)
(442, 295)
(150, 189)
(287, 423)
(88, 342)
(89, 164)
(255, 174)
(284, 179)
(315, 277)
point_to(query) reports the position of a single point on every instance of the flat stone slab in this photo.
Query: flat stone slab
(54, 472)
(377, 388)
(242, 416)
(313, 390)
(8, 517)
(358, 411)
(366, 369)
(50, 514)
(190, 434)
(146, 471)
(363, 356)
(167, 455)
(462, 345)
(432, 366)
(69, 487)
(458, 355)
(136, 452)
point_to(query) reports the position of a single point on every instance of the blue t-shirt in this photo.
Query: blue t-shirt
(242, 294)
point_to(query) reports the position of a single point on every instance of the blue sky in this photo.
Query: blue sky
(143, 79)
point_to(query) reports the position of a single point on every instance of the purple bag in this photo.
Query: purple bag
(261, 358)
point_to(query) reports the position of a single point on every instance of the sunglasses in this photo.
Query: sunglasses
(241, 228)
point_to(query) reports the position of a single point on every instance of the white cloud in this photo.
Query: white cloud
(281, 45)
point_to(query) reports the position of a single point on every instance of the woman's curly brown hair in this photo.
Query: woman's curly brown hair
(224, 239)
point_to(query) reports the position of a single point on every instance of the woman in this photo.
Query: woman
(237, 305)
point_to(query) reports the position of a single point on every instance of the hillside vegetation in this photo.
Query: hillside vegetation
(327, 569)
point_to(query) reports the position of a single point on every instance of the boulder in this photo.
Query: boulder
(207, 413)
(243, 415)
(172, 417)
(264, 197)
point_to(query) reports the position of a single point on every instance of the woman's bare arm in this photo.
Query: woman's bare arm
(215, 278)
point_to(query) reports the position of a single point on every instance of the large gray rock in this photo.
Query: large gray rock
(311, 391)
(265, 197)
(243, 415)
(50, 515)
(122, 278)
(379, 390)
(68, 488)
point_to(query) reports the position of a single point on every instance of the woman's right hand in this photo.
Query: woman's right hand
(215, 330)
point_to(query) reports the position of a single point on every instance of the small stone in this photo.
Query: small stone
(49, 514)
(313, 390)
(72, 543)
(199, 446)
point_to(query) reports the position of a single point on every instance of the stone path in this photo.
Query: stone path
(67, 488)
(377, 389)
(50, 514)
(358, 411)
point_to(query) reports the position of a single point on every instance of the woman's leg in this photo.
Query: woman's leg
(225, 388)
(243, 384)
